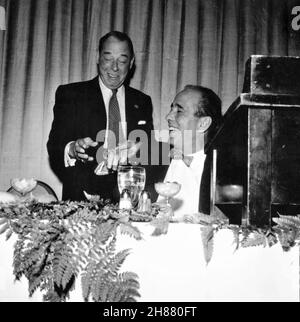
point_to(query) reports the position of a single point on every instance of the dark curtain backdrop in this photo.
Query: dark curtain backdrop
(50, 42)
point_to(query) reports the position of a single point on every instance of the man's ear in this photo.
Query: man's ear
(204, 123)
(131, 63)
(98, 57)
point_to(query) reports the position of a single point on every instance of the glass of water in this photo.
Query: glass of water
(132, 178)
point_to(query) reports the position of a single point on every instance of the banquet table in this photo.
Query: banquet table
(172, 268)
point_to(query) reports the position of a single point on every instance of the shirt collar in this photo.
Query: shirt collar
(198, 158)
(197, 154)
(107, 91)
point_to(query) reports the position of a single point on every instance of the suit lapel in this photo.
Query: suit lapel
(95, 95)
(157, 173)
(154, 174)
(95, 108)
(131, 108)
(204, 196)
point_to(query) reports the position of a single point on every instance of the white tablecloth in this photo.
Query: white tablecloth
(172, 268)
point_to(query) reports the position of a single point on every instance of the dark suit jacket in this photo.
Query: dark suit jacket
(79, 112)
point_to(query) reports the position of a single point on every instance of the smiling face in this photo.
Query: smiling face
(185, 126)
(115, 62)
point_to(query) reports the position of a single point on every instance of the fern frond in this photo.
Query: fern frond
(103, 293)
(3, 221)
(4, 228)
(129, 295)
(287, 237)
(31, 260)
(236, 235)
(114, 264)
(104, 231)
(35, 282)
(129, 229)
(204, 219)
(94, 270)
(130, 278)
(8, 234)
(70, 272)
(254, 239)
(161, 225)
(288, 221)
(128, 286)
(57, 242)
(271, 238)
(190, 219)
(207, 236)
(18, 258)
(52, 296)
(86, 280)
(99, 290)
(64, 265)
(113, 290)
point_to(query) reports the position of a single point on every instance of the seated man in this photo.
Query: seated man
(194, 117)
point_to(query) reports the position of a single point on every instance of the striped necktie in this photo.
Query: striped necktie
(114, 124)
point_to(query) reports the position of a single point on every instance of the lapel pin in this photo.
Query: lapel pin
(136, 106)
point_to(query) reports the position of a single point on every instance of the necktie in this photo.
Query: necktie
(114, 124)
(178, 155)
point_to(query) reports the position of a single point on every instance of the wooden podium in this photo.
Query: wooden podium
(255, 169)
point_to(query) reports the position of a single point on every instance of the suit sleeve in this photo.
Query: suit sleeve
(62, 130)
(149, 116)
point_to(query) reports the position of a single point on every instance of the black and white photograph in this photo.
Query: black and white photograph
(149, 153)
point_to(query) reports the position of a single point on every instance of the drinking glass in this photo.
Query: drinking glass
(23, 186)
(132, 178)
(167, 190)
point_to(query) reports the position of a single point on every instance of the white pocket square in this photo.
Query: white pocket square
(142, 122)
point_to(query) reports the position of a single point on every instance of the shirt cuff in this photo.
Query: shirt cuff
(69, 162)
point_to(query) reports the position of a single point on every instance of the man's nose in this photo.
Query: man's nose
(170, 116)
(115, 66)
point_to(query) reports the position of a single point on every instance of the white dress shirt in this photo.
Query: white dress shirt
(187, 200)
(107, 94)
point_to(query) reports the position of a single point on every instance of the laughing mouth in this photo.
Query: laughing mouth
(172, 128)
(113, 76)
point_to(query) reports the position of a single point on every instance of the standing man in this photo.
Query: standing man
(193, 119)
(83, 109)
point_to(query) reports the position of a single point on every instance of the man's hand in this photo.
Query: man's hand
(121, 154)
(77, 149)
(112, 158)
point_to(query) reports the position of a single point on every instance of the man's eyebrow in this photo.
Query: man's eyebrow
(177, 105)
(110, 53)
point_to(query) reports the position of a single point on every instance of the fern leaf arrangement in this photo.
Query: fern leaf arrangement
(254, 239)
(288, 231)
(61, 243)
